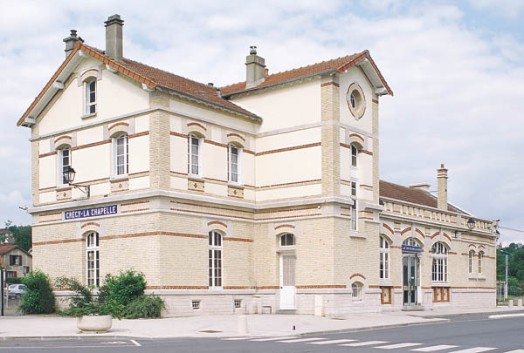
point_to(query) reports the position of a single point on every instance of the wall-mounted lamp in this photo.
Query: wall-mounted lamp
(69, 176)
(471, 223)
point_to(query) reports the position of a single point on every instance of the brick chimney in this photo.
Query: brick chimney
(255, 68)
(70, 42)
(114, 45)
(442, 188)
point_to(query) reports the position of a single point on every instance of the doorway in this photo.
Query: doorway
(287, 282)
(411, 281)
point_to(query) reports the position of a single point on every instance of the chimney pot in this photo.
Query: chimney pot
(255, 68)
(70, 42)
(114, 37)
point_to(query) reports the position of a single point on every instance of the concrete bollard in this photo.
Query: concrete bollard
(519, 302)
(510, 303)
(242, 324)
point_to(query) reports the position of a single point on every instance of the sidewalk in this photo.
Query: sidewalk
(227, 325)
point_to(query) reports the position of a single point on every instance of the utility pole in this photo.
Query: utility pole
(506, 280)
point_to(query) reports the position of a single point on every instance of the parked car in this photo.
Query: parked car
(16, 290)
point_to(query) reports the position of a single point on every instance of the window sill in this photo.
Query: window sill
(385, 283)
(195, 177)
(356, 234)
(122, 177)
(440, 284)
(63, 187)
(87, 116)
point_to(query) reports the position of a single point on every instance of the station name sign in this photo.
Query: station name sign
(411, 249)
(91, 212)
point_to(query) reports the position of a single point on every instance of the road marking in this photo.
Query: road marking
(332, 342)
(272, 339)
(235, 338)
(434, 348)
(399, 345)
(136, 343)
(474, 350)
(302, 340)
(516, 351)
(365, 343)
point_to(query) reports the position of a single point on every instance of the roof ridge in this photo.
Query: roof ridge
(305, 67)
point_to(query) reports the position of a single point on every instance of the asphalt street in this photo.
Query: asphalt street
(465, 334)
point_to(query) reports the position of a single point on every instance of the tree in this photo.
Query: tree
(22, 236)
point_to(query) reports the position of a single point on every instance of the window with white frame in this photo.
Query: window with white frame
(471, 254)
(356, 290)
(354, 155)
(120, 155)
(354, 208)
(215, 259)
(93, 259)
(440, 262)
(64, 162)
(194, 155)
(384, 258)
(481, 257)
(233, 158)
(90, 96)
(287, 240)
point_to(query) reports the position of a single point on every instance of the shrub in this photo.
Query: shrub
(39, 297)
(145, 307)
(122, 289)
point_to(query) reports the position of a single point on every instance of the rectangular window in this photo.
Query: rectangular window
(65, 163)
(215, 259)
(15, 260)
(194, 155)
(481, 256)
(354, 209)
(440, 269)
(90, 96)
(234, 164)
(384, 265)
(93, 260)
(121, 155)
(354, 156)
(11, 274)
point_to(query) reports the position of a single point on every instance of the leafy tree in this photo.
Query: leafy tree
(22, 236)
(39, 298)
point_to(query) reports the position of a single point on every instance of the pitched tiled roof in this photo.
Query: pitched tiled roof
(152, 77)
(336, 65)
(415, 196)
(6, 248)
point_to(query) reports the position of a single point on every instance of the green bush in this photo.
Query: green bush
(122, 289)
(14, 280)
(39, 297)
(145, 307)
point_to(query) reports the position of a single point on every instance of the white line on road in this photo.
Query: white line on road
(434, 348)
(136, 343)
(366, 343)
(332, 342)
(475, 350)
(399, 345)
(516, 351)
(302, 340)
(272, 339)
(235, 338)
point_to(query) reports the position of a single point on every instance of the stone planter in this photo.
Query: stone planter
(94, 323)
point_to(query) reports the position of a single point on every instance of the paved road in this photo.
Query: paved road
(464, 335)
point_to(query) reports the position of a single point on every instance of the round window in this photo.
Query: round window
(355, 99)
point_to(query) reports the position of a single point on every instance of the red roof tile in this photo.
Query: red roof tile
(415, 196)
(6, 248)
(335, 65)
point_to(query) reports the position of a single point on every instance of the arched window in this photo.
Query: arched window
(233, 159)
(440, 262)
(64, 162)
(481, 257)
(93, 259)
(90, 96)
(412, 242)
(194, 158)
(384, 258)
(120, 155)
(471, 254)
(215, 259)
(287, 239)
(356, 290)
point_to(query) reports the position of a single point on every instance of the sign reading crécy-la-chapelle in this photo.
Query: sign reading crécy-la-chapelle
(91, 212)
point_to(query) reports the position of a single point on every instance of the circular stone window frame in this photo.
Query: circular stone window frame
(354, 90)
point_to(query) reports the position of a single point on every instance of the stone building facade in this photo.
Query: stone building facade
(255, 197)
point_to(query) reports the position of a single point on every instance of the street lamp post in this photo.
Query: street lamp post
(506, 280)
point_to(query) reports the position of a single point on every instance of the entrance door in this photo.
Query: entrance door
(287, 282)
(411, 279)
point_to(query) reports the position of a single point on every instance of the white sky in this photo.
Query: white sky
(456, 68)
